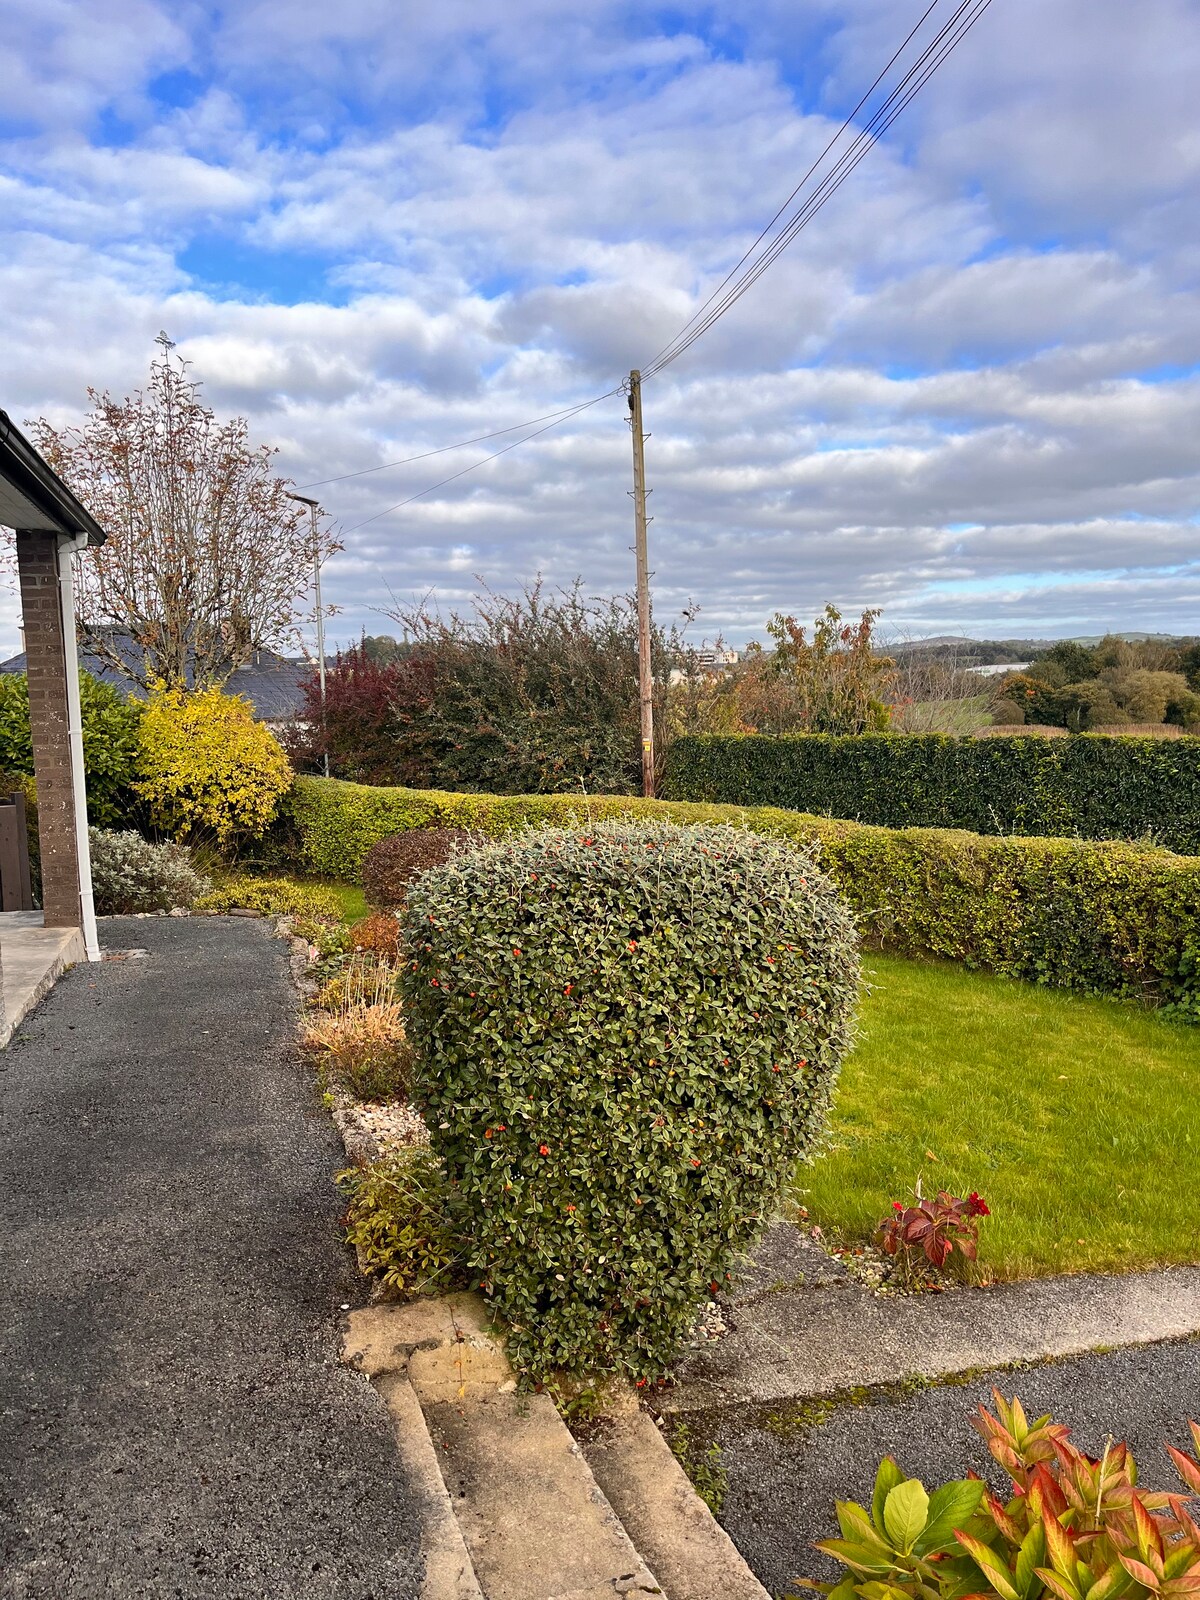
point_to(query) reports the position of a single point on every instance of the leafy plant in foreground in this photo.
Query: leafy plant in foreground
(1075, 1528)
(934, 1228)
(396, 1218)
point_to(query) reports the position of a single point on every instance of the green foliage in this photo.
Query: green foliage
(272, 897)
(129, 874)
(391, 865)
(625, 1036)
(1107, 918)
(207, 769)
(1092, 786)
(396, 1218)
(110, 742)
(703, 1463)
(1073, 1527)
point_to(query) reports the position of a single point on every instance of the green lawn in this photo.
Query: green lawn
(354, 904)
(1078, 1120)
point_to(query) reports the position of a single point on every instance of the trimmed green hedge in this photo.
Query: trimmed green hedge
(1106, 918)
(1085, 784)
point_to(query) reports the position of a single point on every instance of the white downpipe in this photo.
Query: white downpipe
(66, 592)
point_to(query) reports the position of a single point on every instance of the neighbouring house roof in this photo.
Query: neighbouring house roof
(271, 683)
(33, 498)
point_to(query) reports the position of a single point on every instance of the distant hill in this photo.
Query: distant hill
(999, 652)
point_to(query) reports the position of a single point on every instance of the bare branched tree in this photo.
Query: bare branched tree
(207, 559)
(936, 693)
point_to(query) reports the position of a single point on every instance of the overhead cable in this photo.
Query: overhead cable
(964, 17)
(479, 438)
(560, 417)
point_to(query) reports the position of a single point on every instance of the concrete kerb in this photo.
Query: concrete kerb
(801, 1340)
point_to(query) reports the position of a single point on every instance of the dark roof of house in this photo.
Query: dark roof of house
(33, 498)
(271, 683)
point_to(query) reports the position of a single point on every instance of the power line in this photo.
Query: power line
(560, 417)
(737, 282)
(798, 187)
(918, 74)
(442, 449)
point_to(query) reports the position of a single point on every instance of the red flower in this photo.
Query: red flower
(896, 1206)
(976, 1206)
(543, 1149)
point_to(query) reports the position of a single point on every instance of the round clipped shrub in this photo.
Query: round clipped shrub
(391, 865)
(129, 874)
(624, 1040)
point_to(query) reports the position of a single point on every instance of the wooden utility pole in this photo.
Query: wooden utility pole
(645, 669)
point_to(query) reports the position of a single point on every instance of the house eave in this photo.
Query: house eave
(33, 498)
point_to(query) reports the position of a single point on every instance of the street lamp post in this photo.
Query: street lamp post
(313, 507)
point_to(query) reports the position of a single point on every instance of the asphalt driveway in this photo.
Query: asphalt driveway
(173, 1417)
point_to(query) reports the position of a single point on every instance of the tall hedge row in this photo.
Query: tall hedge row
(1086, 784)
(1103, 917)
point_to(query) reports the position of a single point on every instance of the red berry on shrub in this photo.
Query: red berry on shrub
(543, 1149)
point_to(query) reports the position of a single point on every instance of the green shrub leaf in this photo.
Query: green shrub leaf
(904, 1512)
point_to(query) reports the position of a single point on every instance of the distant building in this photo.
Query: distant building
(1001, 670)
(273, 684)
(711, 661)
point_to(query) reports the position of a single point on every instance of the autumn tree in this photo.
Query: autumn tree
(207, 559)
(832, 682)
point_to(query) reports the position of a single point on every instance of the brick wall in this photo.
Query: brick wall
(37, 565)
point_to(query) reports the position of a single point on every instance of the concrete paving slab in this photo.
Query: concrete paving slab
(32, 959)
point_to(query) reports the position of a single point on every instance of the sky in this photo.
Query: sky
(969, 393)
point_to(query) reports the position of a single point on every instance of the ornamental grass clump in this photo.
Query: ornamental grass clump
(625, 1038)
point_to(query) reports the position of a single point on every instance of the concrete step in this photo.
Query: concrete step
(531, 1517)
(692, 1555)
(516, 1510)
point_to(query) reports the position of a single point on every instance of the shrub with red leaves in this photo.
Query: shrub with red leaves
(391, 865)
(934, 1227)
(371, 727)
(379, 934)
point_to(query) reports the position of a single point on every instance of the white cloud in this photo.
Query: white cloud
(966, 393)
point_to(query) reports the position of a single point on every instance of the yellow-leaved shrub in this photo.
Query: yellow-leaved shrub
(207, 769)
